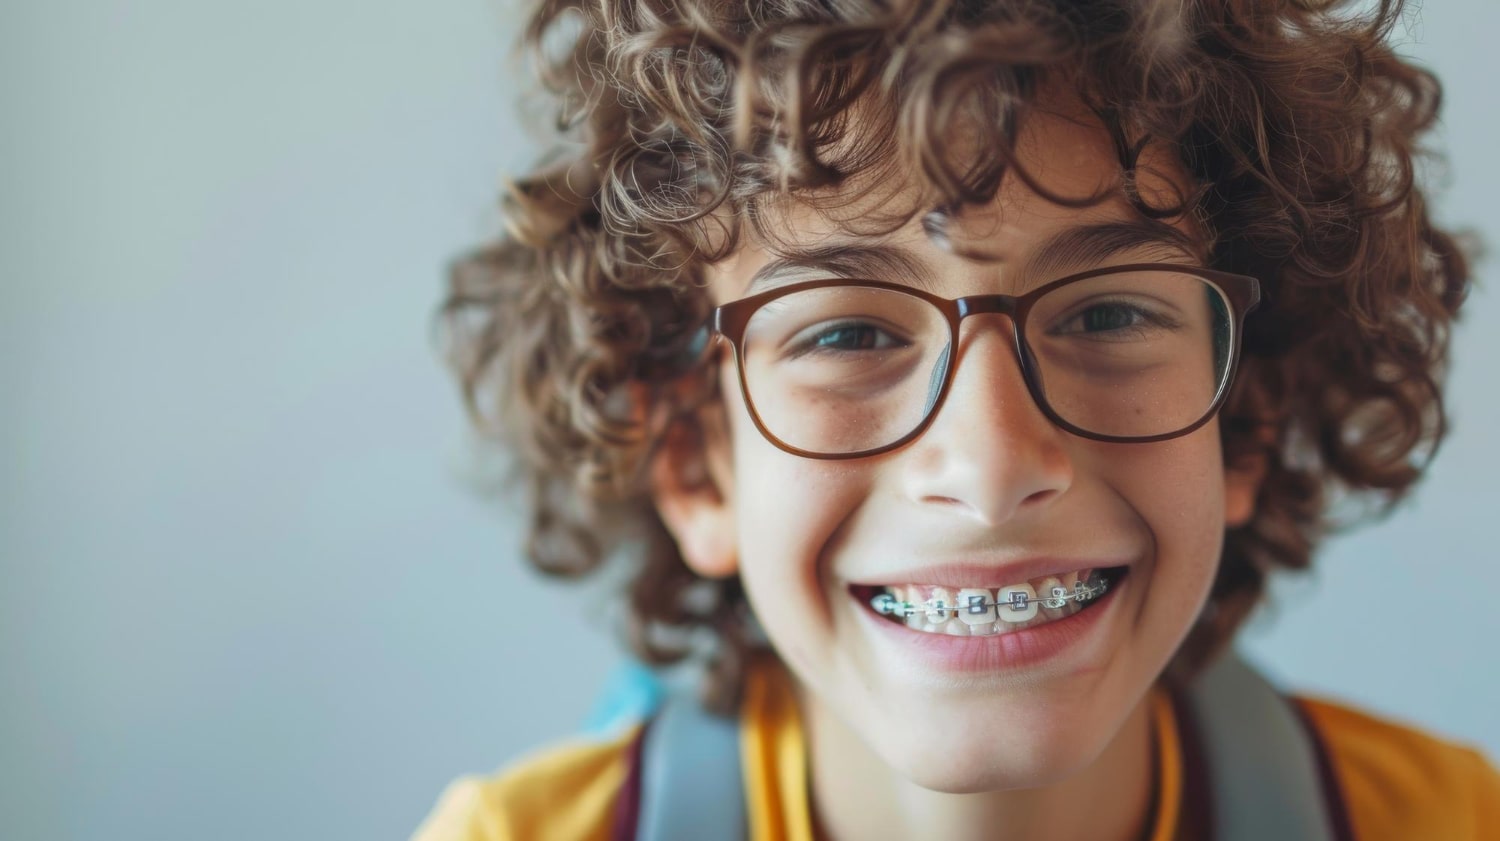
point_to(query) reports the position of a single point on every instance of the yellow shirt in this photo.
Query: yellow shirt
(1398, 783)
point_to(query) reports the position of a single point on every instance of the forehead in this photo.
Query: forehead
(877, 218)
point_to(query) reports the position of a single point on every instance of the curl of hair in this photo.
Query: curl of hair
(681, 120)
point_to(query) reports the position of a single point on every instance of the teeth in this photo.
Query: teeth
(917, 619)
(976, 607)
(947, 610)
(940, 606)
(1051, 591)
(1010, 598)
(1081, 590)
(914, 619)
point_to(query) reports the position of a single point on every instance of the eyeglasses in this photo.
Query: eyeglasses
(844, 368)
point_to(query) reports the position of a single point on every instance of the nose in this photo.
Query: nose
(989, 453)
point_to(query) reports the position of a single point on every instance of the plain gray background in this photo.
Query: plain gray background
(247, 590)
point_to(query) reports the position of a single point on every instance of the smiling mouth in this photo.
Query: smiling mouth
(978, 611)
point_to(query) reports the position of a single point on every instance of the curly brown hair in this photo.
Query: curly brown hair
(681, 120)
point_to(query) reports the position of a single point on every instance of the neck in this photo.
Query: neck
(854, 794)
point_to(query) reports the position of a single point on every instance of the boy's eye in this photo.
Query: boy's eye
(846, 336)
(1122, 320)
(854, 337)
(1108, 318)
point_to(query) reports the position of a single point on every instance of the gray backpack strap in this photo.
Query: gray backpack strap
(1265, 766)
(692, 787)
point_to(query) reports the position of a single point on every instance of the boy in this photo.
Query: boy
(968, 366)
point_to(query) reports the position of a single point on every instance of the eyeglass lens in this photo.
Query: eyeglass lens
(845, 369)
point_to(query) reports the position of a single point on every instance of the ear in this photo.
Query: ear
(1242, 481)
(691, 484)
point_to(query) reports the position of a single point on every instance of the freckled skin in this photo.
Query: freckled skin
(990, 478)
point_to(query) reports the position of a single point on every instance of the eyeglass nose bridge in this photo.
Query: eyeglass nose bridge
(987, 305)
(1012, 308)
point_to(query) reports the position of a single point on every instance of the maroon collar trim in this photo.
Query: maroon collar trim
(1333, 790)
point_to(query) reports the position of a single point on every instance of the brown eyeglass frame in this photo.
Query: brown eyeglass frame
(728, 322)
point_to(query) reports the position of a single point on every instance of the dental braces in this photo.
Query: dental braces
(886, 604)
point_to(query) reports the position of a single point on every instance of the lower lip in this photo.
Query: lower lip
(998, 652)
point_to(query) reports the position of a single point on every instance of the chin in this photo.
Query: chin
(971, 760)
(992, 772)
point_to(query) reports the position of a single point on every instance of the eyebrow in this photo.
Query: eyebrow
(872, 261)
(1079, 248)
(1087, 246)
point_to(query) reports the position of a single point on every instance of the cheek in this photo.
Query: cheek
(781, 500)
(788, 508)
(789, 512)
(1176, 488)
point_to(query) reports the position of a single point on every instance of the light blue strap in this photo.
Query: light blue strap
(630, 695)
(1262, 765)
(692, 788)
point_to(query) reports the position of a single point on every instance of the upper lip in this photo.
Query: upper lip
(980, 574)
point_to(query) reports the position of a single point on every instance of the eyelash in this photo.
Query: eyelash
(816, 342)
(1147, 318)
(813, 344)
